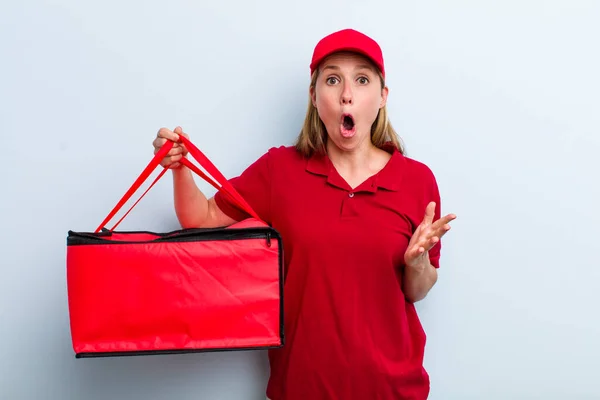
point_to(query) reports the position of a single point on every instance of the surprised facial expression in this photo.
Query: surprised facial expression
(348, 97)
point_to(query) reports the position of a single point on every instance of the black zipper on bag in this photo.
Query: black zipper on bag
(184, 235)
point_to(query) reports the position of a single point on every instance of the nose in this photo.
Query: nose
(346, 97)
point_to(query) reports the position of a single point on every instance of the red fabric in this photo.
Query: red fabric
(164, 296)
(180, 291)
(219, 178)
(347, 40)
(350, 333)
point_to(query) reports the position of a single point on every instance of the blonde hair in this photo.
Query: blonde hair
(313, 135)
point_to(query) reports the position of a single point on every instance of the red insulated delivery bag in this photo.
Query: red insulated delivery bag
(190, 290)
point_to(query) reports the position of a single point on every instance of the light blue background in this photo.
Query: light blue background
(500, 99)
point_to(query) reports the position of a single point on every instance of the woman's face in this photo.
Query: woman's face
(348, 96)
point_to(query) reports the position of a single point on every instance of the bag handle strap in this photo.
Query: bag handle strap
(225, 186)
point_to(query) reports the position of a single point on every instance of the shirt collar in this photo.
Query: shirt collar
(388, 178)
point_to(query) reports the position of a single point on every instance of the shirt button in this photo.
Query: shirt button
(350, 194)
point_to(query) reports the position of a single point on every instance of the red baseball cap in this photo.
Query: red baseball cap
(347, 40)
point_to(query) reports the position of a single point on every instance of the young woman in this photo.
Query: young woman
(361, 229)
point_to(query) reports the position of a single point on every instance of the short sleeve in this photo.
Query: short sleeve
(254, 185)
(434, 195)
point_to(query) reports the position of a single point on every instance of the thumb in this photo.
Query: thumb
(178, 130)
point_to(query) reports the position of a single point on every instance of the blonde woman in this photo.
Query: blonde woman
(361, 228)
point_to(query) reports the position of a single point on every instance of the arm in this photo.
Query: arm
(418, 281)
(192, 207)
(419, 274)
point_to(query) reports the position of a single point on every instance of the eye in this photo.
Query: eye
(363, 80)
(331, 80)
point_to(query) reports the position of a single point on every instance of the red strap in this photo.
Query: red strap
(212, 170)
(138, 200)
(138, 182)
(225, 187)
(233, 198)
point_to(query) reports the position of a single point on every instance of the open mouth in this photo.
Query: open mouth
(347, 122)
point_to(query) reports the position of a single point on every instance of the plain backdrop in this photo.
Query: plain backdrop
(499, 98)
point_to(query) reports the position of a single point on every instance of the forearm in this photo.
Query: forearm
(191, 205)
(418, 281)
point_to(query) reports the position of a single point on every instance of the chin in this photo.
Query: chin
(346, 143)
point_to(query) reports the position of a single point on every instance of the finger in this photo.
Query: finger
(429, 213)
(171, 152)
(423, 243)
(432, 242)
(427, 240)
(448, 218)
(170, 160)
(421, 250)
(435, 237)
(412, 254)
(158, 143)
(175, 151)
(415, 254)
(179, 132)
(432, 236)
(443, 223)
(167, 134)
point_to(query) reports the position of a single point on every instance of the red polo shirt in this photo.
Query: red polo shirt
(350, 333)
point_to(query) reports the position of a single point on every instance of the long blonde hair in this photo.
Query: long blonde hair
(313, 135)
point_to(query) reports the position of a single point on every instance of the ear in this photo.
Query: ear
(313, 96)
(384, 96)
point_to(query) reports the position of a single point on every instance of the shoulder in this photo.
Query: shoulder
(282, 156)
(419, 175)
(408, 168)
(276, 161)
(417, 169)
(284, 153)
(276, 155)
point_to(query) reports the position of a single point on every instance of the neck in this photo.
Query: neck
(352, 160)
(358, 165)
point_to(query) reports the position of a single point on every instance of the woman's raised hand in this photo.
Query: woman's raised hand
(427, 235)
(171, 160)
